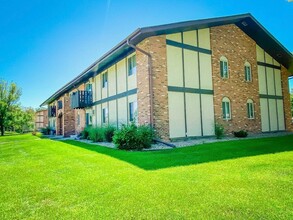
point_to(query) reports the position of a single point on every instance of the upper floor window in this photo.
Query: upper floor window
(247, 72)
(250, 109)
(105, 80)
(224, 70)
(131, 65)
(132, 110)
(59, 104)
(88, 87)
(226, 108)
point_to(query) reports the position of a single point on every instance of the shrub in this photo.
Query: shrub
(241, 134)
(145, 135)
(46, 130)
(109, 133)
(85, 133)
(132, 137)
(219, 130)
(97, 134)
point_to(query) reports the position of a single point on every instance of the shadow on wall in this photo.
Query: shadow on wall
(153, 160)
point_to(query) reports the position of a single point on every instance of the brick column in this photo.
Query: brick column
(237, 47)
(156, 46)
(286, 97)
(69, 117)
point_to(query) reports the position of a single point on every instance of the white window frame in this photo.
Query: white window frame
(105, 80)
(132, 111)
(247, 74)
(226, 109)
(87, 87)
(131, 63)
(250, 109)
(224, 68)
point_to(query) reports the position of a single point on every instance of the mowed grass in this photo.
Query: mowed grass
(45, 179)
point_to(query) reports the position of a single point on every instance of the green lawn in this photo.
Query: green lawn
(45, 179)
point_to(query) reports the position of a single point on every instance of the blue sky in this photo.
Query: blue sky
(44, 44)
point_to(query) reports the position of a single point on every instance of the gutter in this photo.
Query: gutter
(67, 86)
(150, 77)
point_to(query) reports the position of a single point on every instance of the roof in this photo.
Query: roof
(246, 22)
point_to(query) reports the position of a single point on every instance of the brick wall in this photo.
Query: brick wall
(79, 127)
(69, 117)
(286, 95)
(237, 47)
(156, 46)
(60, 117)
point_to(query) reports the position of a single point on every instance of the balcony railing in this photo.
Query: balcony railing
(81, 99)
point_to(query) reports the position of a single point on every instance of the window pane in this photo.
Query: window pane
(132, 65)
(105, 79)
(251, 110)
(131, 111)
(221, 69)
(248, 110)
(224, 110)
(228, 110)
(225, 69)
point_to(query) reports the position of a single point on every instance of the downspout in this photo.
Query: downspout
(150, 78)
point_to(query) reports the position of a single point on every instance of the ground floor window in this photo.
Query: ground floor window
(88, 119)
(250, 109)
(226, 109)
(132, 111)
(104, 115)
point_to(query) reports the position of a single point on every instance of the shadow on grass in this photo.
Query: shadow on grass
(153, 160)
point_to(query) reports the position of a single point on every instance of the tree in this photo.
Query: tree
(20, 119)
(9, 96)
(291, 98)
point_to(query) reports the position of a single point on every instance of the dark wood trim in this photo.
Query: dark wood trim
(118, 96)
(264, 96)
(190, 90)
(188, 47)
(268, 65)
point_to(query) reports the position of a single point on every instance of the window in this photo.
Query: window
(104, 115)
(87, 119)
(250, 109)
(132, 110)
(88, 87)
(132, 65)
(247, 72)
(59, 104)
(224, 68)
(226, 109)
(105, 80)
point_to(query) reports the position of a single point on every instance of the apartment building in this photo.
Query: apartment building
(41, 119)
(181, 79)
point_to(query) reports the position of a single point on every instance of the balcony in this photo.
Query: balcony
(81, 99)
